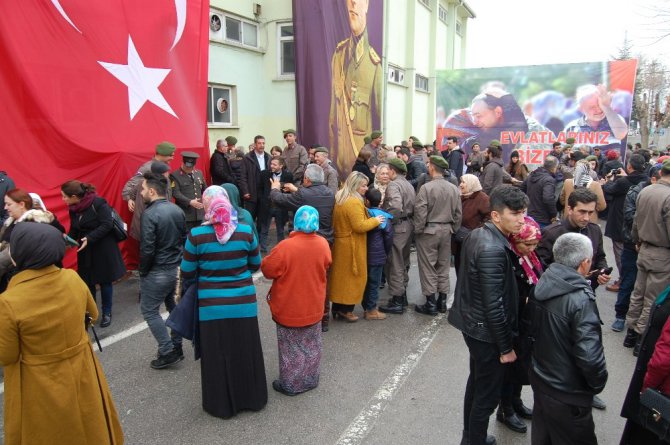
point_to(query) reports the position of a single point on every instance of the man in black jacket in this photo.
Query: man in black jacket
(255, 162)
(219, 167)
(277, 172)
(540, 186)
(485, 309)
(454, 156)
(162, 237)
(568, 366)
(415, 165)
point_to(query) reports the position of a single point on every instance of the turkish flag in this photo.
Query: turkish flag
(89, 88)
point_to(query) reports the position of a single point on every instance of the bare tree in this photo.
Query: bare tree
(650, 103)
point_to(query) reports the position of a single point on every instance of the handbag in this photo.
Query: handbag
(655, 413)
(119, 226)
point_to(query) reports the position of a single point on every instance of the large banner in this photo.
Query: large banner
(339, 74)
(89, 88)
(528, 108)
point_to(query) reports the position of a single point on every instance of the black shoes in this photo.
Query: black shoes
(394, 306)
(430, 308)
(598, 403)
(106, 320)
(630, 339)
(277, 387)
(509, 418)
(522, 410)
(490, 440)
(169, 359)
(442, 303)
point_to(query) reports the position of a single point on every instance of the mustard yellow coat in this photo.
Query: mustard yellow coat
(55, 391)
(348, 272)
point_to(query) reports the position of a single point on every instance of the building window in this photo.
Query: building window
(234, 29)
(442, 11)
(219, 105)
(459, 28)
(421, 83)
(396, 75)
(425, 3)
(286, 50)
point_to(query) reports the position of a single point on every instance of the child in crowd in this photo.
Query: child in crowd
(380, 241)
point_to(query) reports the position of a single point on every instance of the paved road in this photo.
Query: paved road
(398, 381)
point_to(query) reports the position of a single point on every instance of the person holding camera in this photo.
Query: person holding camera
(615, 186)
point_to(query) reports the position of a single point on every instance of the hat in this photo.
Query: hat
(591, 158)
(494, 143)
(612, 155)
(231, 140)
(417, 145)
(165, 148)
(414, 138)
(367, 140)
(289, 131)
(321, 150)
(662, 159)
(514, 154)
(577, 155)
(398, 164)
(666, 166)
(570, 141)
(439, 161)
(190, 155)
(159, 167)
(375, 134)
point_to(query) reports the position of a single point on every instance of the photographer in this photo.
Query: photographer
(615, 186)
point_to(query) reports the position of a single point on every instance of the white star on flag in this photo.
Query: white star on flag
(142, 82)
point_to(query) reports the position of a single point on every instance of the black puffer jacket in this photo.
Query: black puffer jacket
(568, 354)
(415, 167)
(541, 190)
(163, 233)
(615, 193)
(486, 297)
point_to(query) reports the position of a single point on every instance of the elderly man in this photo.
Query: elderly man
(568, 366)
(295, 155)
(485, 309)
(437, 214)
(356, 90)
(219, 167)
(598, 116)
(164, 153)
(329, 173)
(399, 202)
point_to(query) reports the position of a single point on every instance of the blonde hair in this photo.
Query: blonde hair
(350, 188)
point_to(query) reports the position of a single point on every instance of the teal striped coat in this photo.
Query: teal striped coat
(225, 286)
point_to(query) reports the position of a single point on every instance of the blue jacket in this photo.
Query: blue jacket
(380, 239)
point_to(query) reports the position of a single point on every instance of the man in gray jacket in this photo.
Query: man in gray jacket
(568, 366)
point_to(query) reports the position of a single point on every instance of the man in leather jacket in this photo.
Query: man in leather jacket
(568, 366)
(162, 237)
(485, 308)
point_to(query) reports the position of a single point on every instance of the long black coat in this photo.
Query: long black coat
(101, 261)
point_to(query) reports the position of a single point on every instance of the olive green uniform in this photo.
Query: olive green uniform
(186, 187)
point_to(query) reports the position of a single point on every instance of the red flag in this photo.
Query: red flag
(89, 88)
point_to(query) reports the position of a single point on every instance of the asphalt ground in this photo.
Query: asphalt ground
(396, 381)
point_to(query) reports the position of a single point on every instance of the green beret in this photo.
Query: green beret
(367, 139)
(289, 131)
(666, 166)
(375, 134)
(570, 141)
(400, 165)
(439, 161)
(417, 145)
(165, 148)
(495, 143)
(414, 138)
(591, 158)
(231, 140)
(321, 150)
(190, 155)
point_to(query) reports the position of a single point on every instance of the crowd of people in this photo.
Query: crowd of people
(526, 245)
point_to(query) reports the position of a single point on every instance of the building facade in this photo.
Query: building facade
(251, 66)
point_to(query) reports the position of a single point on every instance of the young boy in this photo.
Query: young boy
(380, 241)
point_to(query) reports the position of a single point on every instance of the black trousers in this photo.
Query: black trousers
(482, 392)
(558, 423)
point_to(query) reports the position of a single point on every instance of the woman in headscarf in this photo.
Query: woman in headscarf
(296, 301)
(99, 260)
(55, 390)
(511, 406)
(582, 178)
(222, 254)
(351, 223)
(243, 215)
(19, 207)
(475, 212)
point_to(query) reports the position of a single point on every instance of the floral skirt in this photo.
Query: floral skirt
(299, 357)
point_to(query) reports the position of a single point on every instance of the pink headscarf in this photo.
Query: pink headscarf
(529, 263)
(219, 213)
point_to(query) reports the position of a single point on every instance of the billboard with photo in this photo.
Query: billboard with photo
(339, 74)
(528, 108)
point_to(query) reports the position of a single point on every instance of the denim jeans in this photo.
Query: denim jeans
(156, 288)
(626, 281)
(371, 293)
(106, 292)
(280, 216)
